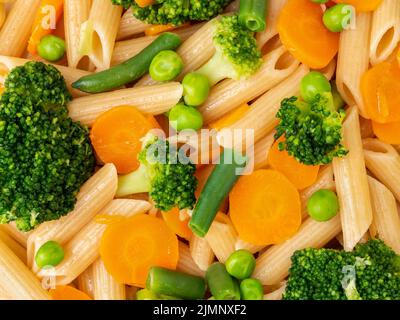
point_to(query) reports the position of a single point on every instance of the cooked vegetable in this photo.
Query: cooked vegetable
(306, 36)
(240, 264)
(338, 101)
(166, 66)
(218, 185)
(68, 293)
(116, 136)
(321, 274)
(182, 117)
(49, 254)
(362, 5)
(175, 12)
(45, 157)
(251, 289)
(230, 118)
(339, 17)
(312, 84)
(42, 26)
(237, 55)
(130, 70)
(252, 14)
(301, 175)
(156, 29)
(387, 132)
(323, 205)
(320, 1)
(221, 284)
(177, 284)
(196, 89)
(146, 294)
(312, 130)
(180, 227)
(51, 48)
(143, 241)
(169, 182)
(265, 208)
(145, 3)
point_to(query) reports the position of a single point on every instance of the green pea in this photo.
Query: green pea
(251, 289)
(240, 264)
(49, 254)
(312, 84)
(182, 117)
(323, 205)
(166, 66)
(51, 48)
(196, 88)
(338, 17)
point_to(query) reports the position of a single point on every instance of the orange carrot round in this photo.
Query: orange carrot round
(144, 3)
(116, 137)
(362, 5)
(304, 34)
(387, 132)
(68, 293)
(301, 175)
(265, 208)
(131, 247)
(180, 227)
(380, 87)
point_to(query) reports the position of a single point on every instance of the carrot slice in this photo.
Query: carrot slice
(387, 132)
(156, 29)
(116, 137)
(301, 175)
(380, 87)
(362, 5)
(144, 3)
(131, 247)
(398, 57)
(265, 207)
(42, 20)
(230, 118)
(304, 34)
(180, 227)
(68, 293)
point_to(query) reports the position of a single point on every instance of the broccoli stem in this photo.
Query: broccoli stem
(136, 182)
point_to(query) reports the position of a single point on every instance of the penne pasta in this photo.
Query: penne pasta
(16, 30)
(276, 294)
(85, 281)
(12, 230)
(201, 252)
(229, 94)
(16, 279)
(272, 266)
(130, 26)
(130, 292)
(350, 70)
(384, 162)
(186, 263)
(221, 238)
(104, 285)
(151, 100)
(385, 31)
(261, 151)
(83, 249)
(19, 250)
(253, 248)
(352, 184)
(94, 195)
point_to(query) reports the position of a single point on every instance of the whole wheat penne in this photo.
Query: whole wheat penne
(276, 294)
(83, 249)
(385, 31)
(229, 94)
(324, 181)
(350, 70)
(4, 294)
(386, 222)
(221, 238)
(12, 230)
(195, 51)
(273, 265)
(16, 279)
(105, 286)
(19, 250)
(124, 50)
(70, 74)
(261, 151)
(94, 195)
(130, 26)
(253, 248)
(366, 128)
(201, 252)
(16, 30)
(85, 281)
(384, 162)
(149, 99)
(352, 184)
(186, 263)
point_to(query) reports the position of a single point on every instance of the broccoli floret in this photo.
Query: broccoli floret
(312, 130)
(175, 12)
(370, 272)
(45, 157)
(169, 180)
(237, 55)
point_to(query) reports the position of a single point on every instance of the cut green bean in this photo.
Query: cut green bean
(146, 294)
(252, 14)
(221, 284)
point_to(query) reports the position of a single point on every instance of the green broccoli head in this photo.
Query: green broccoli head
(44, 157)
(312, 130)
(237, 54)
(166, 174)
(370, 272)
